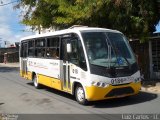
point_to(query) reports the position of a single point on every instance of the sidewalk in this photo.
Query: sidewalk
(9, 64)
(151, 86)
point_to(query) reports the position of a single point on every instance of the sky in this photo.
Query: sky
(11, 30)
(158, 27)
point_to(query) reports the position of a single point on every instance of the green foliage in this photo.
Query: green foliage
(135, 18)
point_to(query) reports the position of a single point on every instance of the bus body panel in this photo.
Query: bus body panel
(47, 71)
(47, 67)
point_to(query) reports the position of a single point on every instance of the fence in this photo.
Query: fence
(10, 57)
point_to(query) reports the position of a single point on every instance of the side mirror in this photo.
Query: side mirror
(69, 48)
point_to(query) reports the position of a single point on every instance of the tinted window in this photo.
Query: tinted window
(52, 50)
(31, 48)
(40, 47)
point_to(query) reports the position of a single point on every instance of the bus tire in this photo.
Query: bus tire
(80, 95)
(35, 82)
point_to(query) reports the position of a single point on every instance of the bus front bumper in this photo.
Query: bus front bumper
(94, 93)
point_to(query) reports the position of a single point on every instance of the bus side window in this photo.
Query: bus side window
(52, 48)
(31, 48)
(74, 54)
(40, 48)
(24, 48)
(21, 50)
(77, 55)
(82, 61)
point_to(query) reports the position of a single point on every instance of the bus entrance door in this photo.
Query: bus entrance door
(24, 59)
(66, 66)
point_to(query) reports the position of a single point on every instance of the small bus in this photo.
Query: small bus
(90, 63)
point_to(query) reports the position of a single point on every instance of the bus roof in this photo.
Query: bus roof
(70, 30)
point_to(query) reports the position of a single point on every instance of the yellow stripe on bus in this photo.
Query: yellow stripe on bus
(49, 81)
(44, 80)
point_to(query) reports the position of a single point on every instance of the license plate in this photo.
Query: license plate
(118, 81)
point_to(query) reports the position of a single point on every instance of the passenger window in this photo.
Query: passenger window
(52, 50)
(40, 48)
(31, 48)
(40, 43)
(30, 52)
(24, 47)
(40, 52)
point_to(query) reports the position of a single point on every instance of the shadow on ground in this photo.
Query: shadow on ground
(54, 91)
(1, 103)
(8, 69)
(131, 100)
(110, 103)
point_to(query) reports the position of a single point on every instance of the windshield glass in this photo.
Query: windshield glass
(108, 49)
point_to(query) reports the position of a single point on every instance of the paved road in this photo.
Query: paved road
(18, 95)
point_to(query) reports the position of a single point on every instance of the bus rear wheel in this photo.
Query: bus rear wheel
(80, 95)
(35, 82)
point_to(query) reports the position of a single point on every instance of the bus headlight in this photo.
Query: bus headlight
(100, 84)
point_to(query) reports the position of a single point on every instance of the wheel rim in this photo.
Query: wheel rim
(80, 94)
(35, 81)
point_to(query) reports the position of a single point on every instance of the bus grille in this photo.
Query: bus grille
(120, 91)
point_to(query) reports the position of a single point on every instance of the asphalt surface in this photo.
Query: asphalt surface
(18, 96)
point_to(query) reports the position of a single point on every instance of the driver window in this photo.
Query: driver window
(77, 56)
(74, 54)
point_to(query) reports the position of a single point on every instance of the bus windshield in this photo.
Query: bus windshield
(108, 49)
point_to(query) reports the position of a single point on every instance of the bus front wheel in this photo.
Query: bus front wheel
(80, 95)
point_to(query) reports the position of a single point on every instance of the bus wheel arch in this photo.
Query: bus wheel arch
(33, 74)
(79, 93)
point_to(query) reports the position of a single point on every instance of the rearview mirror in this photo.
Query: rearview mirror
(69, 48)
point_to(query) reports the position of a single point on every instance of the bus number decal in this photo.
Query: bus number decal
(118, 81)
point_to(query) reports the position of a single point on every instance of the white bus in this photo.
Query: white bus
(90, 63)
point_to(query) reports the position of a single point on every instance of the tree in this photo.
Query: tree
(135, 18)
